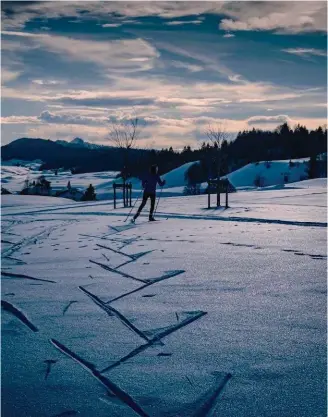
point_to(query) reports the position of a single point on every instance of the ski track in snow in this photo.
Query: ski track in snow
(107, 272)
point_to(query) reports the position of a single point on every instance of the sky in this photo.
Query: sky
(70, 69)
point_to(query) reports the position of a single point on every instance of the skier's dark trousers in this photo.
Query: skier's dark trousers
(149, 183)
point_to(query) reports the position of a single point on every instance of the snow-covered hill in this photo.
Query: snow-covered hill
(176, 177)
(33, 165)
(268, 173)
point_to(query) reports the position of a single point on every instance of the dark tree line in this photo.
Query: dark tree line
(249, 146)
(226, 156)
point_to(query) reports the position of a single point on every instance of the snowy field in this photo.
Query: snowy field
(272, 174)
(218, 312)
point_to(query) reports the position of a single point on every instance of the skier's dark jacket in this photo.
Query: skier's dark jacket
(149, 182)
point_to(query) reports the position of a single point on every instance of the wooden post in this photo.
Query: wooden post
(130, 194)
(208, 196)
(227, 196)
(114, 186)
(218, 196)
(124, 202)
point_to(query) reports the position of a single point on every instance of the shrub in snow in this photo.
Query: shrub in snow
(191, 189)
(259, 181)
(312, 167)
(4, 191)
(196, 174)
(25, 191)
(89, 194)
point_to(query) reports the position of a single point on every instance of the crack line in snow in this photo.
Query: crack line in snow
(112, 311)
(19, 261)
(68, 306)
(21, 316)
(211, 397)
(8, 274)
(7, 241)
(148, 284)
(49, 363)
(113, 388)
(108, 268)
(156, 339)
(131, 256)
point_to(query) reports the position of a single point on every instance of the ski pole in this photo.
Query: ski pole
(158, 199)
(133, 206)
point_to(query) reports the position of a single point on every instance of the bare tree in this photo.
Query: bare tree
(218, 135)
(124, 134)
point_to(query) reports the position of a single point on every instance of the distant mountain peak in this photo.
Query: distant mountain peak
(78, 141)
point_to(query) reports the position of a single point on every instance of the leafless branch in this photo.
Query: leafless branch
(217, 134)
(124, 133)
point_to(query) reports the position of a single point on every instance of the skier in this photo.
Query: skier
(149, 183)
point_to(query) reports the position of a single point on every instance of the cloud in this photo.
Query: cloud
(235, 78)
(47, 82)
(279, 119)
(13, 120)
(103, 101)
(158, 131)
(160, 94)
(185, 65)
(8, 75)
(183, 22)
(16, 16)
(306, 51)
(69, 119)
(228, 35)
(195, 52)
(114, 55)
(111, 25)
(294, 17)
(94, 134)
(278, 16)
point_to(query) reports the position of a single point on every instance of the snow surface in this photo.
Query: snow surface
(257, 269)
